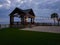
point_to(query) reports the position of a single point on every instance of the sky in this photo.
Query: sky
(41, 8)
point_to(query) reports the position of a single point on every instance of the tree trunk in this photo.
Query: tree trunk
(58, 23)
(54, 22)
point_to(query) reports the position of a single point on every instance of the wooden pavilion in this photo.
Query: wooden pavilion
(23, 15)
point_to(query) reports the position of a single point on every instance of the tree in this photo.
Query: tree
(58, 21)
(54, 16)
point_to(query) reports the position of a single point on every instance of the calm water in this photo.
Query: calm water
(37, 19)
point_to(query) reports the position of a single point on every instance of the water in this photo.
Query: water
(39, 19)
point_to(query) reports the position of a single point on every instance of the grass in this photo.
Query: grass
(14, 36)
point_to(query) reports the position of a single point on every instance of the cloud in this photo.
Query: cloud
(9, 2)
(1, 6)
(40, 7)
(31, 3)
(5, 4)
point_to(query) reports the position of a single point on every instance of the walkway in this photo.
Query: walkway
(52, 29)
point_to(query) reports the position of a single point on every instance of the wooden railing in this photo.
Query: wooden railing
(4, 25)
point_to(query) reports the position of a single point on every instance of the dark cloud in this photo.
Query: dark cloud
(40, 7)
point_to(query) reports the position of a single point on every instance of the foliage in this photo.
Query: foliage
(54, 15)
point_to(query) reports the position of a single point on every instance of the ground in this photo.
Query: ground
(14, 36)
(52, 29)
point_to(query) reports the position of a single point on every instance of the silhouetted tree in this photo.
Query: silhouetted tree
(54, 16)
(58, 21)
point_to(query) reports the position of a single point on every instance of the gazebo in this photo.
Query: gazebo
(23, 15)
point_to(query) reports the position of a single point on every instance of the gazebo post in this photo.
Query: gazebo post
(11, 21)
(31, 20)
(22, 20)
(26, 19)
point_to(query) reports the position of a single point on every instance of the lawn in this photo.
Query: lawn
(14, 36)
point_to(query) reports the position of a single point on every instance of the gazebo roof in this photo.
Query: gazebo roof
(17, 10)
(23, 12)
(30, 11)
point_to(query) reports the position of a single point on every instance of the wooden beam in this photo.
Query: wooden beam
(11, 21)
